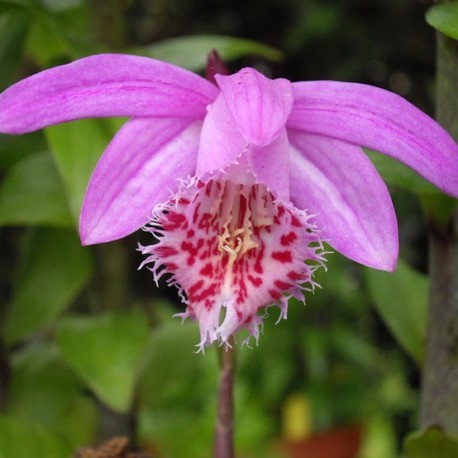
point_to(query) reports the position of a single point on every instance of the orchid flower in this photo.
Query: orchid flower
(240, 181)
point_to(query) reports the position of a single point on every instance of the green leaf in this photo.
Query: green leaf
(32, 194)
(76, 147)
(13, 30)
(171, 348)
(438, 208)
(45, 46)
(9, 6)
(25, 439)
(105, 351)
(396, 173)
(444, 17)
(44, 389)
(178, 431)
(63, 5)
(14, 148)
(401, 298)
(54, 270)
(191, 51)
(379, 440)
(47, 40)
(58, 32)
(432, 443)
(353, 346)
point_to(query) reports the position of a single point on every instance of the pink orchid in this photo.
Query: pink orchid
(240, 182)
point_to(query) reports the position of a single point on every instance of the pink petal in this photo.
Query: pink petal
(270, 165)
(259, 106)
(338, 183)
(222, 144)
(381, 120)
(103, 85)
(140, 168)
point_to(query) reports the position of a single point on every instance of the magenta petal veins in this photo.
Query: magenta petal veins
(232, 248)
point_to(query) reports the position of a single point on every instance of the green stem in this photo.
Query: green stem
(224, 441)
(112, 288)
(439, 396)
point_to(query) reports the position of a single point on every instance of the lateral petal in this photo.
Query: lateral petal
(104, 85)
(378, 119)
(140, 168)
(335, 181)
(260, 106)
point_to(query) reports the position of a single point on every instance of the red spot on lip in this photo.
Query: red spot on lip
(292, 275)
(195, 287)
(190, 233)
(207, 270)
(257, 265)
(196, 213)
(248, 319)
(282, 256)
(282, 285)
(255, 280)
(165, 251)
(242, 210)
(206, 293)
(173, 221)
(274, 294)
(208, 304)
(295, 222)
(287, 239)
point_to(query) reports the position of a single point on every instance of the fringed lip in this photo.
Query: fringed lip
(233, 248)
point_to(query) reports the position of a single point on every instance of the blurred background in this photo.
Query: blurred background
(88, 345)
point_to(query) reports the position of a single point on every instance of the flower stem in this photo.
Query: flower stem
(224, 445)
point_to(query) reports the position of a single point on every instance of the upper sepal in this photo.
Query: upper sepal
(259, 106)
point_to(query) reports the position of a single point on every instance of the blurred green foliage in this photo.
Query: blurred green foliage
(46, 282)
(444, 18)
(67, 357)
(431, 443)
(405, 312)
